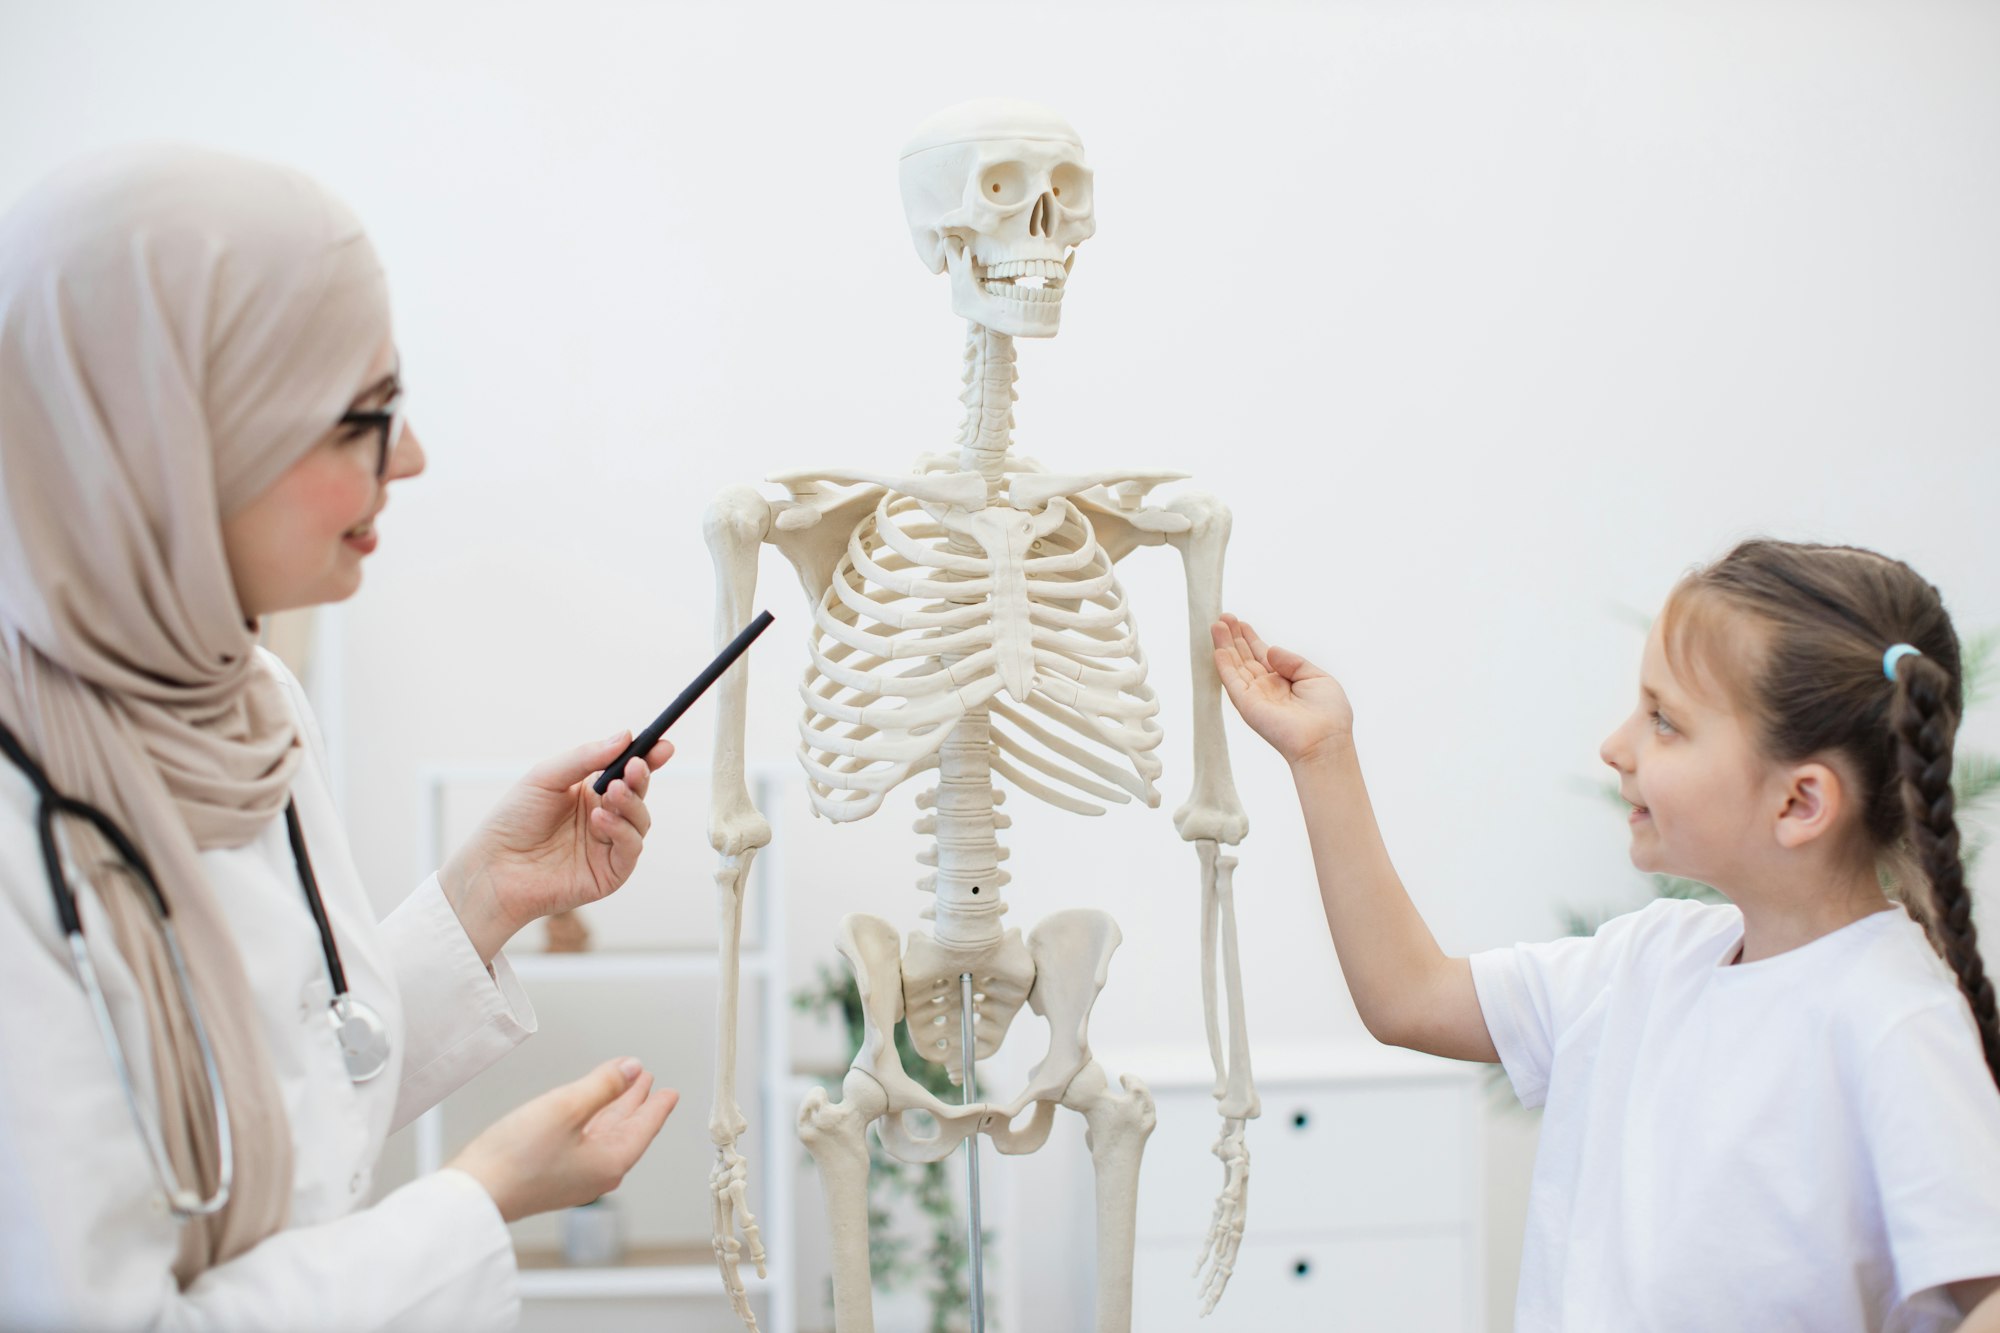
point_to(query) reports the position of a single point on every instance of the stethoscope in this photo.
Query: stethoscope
(363, 1038)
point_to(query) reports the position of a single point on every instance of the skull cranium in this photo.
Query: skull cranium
(998, 193)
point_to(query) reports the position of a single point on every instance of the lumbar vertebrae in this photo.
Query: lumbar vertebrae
(968, 623)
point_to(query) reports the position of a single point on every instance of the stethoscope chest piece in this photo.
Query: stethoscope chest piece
(364, 1041)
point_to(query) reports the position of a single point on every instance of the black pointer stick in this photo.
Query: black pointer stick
(650, 737)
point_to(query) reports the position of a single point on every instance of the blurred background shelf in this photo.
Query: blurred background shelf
(646, 1270)
(610, 964)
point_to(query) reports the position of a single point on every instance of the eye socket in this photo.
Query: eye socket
(1071, 184)
(1003, 183)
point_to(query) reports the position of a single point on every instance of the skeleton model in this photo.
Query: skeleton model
(967, 621)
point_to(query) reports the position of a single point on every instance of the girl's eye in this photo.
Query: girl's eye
(1660, 723)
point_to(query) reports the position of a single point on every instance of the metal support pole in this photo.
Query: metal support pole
(975, 1251)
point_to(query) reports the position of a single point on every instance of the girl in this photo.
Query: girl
(200, 422)
(1776, 1113)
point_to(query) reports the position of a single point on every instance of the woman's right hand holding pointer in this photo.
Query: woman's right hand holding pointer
(1287, 700)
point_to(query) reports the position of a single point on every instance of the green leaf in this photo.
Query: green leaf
(1673, 886)
(1975, 777)
(1975, 662)
(1582, 923)
(1605, 789)
(895, 1259)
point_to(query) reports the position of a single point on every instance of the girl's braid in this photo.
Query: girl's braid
(1924, 727)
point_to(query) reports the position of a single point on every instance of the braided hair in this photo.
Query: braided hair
(1924, 718)
(1815, 685)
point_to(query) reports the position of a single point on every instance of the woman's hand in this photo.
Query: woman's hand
(571, 1144)
(1287, 700)
(552, 843)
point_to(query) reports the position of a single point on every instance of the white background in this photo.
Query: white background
(1487, 320)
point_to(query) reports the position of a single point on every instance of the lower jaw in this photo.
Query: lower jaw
(1005, 315)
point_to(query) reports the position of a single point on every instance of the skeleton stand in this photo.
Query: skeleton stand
(975, 1243)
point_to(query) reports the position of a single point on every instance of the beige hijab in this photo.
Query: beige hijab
(177, 328)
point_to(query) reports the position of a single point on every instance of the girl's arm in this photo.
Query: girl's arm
(1408, 991)
(1980, 1300)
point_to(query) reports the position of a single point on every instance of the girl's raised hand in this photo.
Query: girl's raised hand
(1287, 700)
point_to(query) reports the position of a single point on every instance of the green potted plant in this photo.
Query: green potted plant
(936, 1257)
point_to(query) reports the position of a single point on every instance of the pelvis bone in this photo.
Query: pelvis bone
(933, 999)
(1060, 972)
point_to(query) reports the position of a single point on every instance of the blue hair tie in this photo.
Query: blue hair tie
(1897, 653)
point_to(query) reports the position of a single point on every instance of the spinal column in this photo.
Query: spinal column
(967, 852)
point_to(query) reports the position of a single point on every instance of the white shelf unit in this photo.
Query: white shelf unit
(762, 983)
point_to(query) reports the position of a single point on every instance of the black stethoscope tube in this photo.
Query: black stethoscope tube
(363, 1038)
(335, 972)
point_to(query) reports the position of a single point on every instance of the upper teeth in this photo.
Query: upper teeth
(363, 530)
(1024, 268)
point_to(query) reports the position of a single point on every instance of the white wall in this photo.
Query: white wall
(1487, 319)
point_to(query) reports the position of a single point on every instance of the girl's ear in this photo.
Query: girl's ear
(1813, 799)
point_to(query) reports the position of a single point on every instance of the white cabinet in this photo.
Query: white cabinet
(1384, 1284)
(1365, 1196)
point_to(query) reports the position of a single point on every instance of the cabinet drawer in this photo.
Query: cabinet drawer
(1412, 1283)
(1363, 1156)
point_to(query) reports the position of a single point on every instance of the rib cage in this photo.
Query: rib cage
(906, 641)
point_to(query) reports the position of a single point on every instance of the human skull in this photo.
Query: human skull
(998, 193)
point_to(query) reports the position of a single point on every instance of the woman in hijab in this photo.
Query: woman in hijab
(200, 420)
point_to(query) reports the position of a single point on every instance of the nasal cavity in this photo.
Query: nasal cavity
(1042, 221)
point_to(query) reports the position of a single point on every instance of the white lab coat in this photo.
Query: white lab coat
(86, 1240)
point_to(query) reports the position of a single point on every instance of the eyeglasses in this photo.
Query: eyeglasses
(387, 423)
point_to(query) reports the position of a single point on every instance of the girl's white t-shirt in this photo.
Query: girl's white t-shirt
(1808, 1142)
